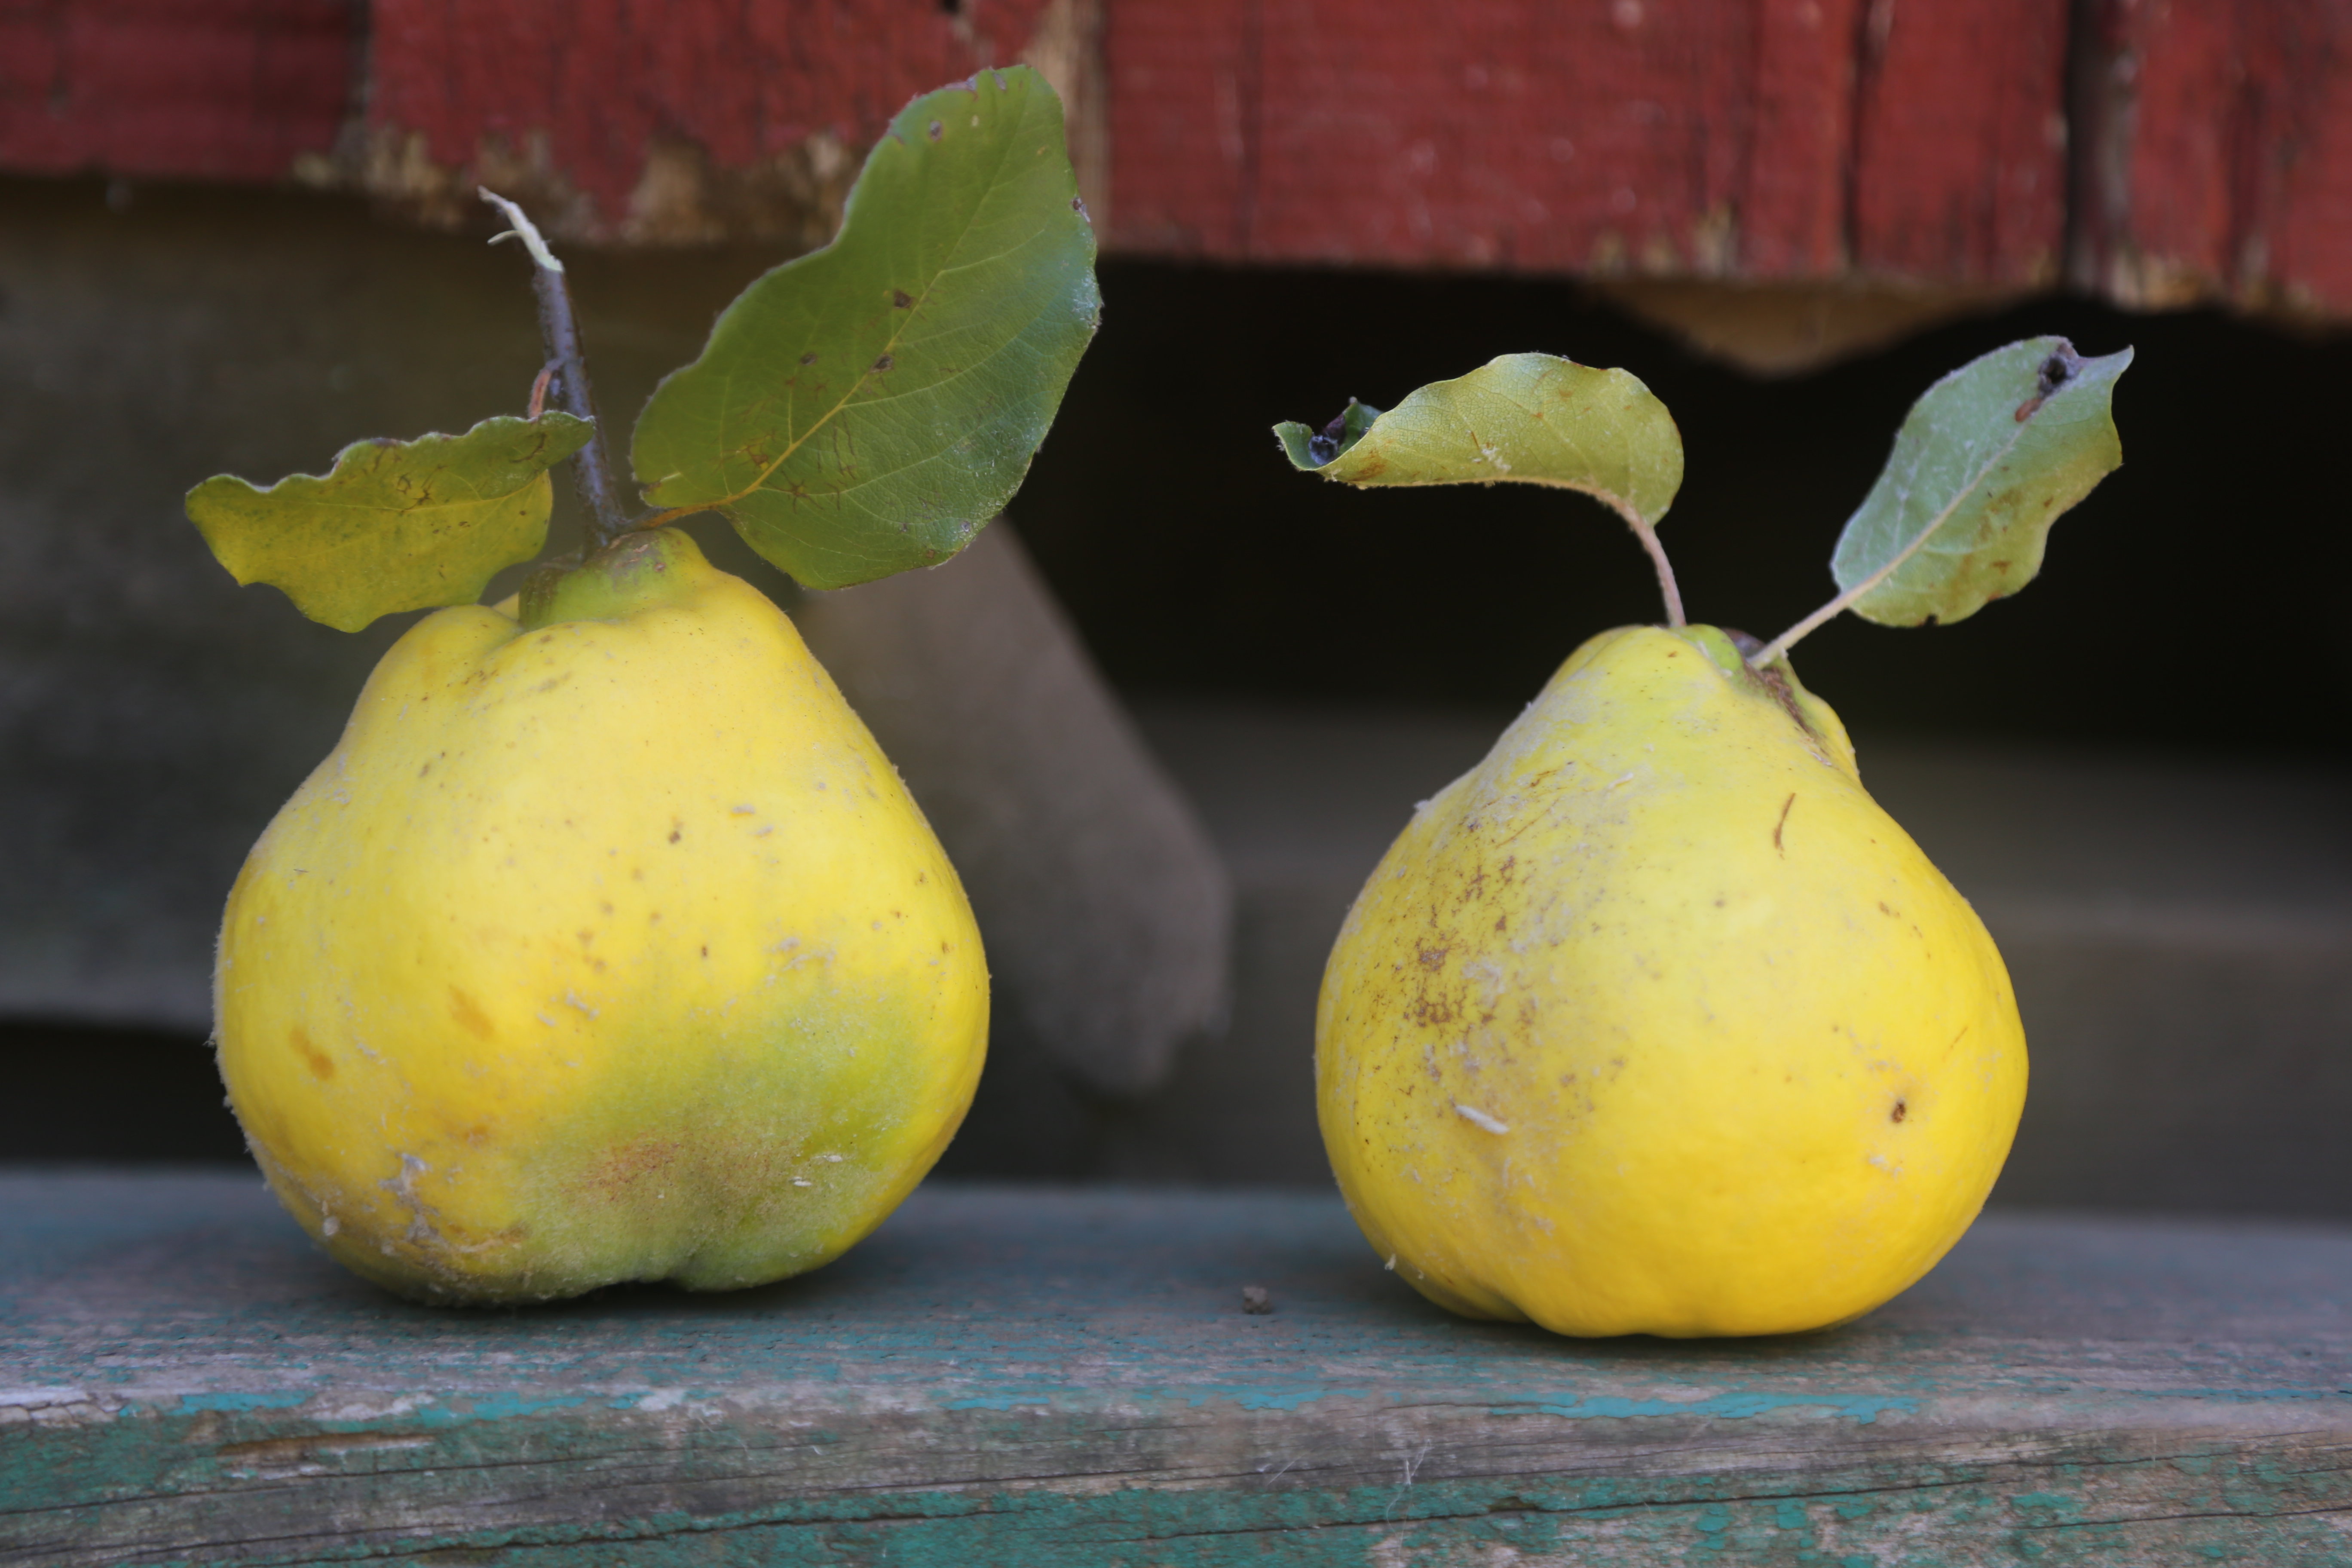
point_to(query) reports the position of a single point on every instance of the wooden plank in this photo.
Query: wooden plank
(2218, 153)
(228, 90)
(1759, 138)
(1958, 167)
(688, 122)
(1769, 141)
(1058, 1377)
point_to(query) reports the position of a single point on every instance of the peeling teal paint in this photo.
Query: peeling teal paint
(1739, 1406)
(1096, 1348)
(1272, 1399)
(226, 1403)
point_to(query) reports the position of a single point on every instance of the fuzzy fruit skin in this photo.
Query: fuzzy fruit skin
(1755, 1063)
(605, 951)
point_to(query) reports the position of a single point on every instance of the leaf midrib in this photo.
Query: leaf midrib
(889, 346)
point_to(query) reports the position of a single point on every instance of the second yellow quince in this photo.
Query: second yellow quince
(1655, 1023)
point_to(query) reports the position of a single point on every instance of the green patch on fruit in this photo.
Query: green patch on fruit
(867, 409)
(395, 525)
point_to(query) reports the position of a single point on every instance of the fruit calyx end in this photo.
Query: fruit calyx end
(633, 571)
(1731, 648)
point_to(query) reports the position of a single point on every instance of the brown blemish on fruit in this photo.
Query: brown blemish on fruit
(469, 1014)
(1782, 824)
(626, 1163)
(1902, 1109)
(321, 1065)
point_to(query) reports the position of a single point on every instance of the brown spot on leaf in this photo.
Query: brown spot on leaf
(901, 299)
(885, 362)
(808, 358)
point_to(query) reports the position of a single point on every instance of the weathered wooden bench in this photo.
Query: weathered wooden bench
(1054, 1376)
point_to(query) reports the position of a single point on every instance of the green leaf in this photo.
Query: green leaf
(397, 525)
(1984, 464)
(1529, 418)
(867, 408)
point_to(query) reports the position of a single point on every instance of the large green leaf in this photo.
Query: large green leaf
(1531, 418)
(1987, 460)
(396, 525)
(867, 408)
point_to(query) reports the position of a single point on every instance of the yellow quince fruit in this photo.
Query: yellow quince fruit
(1655, 1023)
(606, 946)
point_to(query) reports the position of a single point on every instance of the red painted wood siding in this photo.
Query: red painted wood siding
(2210, 139)
(226, 90)
(598, 80)
(1757, 138)
(2222, 160)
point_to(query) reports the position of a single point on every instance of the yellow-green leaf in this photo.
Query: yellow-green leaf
(1526, 417)
(395, 525)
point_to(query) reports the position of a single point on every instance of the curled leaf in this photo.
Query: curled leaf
(867, 408)
(1528, 418)
(395, 525)
(1987, 460)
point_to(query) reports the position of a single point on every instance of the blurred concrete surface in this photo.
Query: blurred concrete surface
(2179, 935)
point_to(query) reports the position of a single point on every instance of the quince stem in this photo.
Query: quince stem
(1776, 650)
(592, 468)
(1648, 535)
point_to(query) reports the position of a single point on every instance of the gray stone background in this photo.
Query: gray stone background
(1179, 706)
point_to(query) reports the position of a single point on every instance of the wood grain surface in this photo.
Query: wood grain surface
(216, 90)
(1756, 139)
(1048, 1377)
(2217, 145)
(2165, 152)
